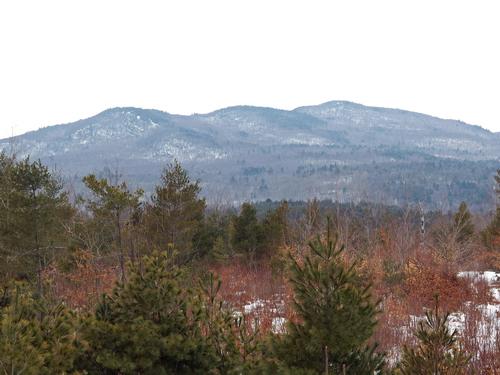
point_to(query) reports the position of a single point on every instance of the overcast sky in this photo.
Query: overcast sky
(61, 61)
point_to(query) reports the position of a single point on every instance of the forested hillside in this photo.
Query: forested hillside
(126, 280)
(338, 150)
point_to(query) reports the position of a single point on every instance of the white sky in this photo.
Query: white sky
(65, 60)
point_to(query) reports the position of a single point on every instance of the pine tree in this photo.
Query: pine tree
(235, 345)
(275, 228)
(491, 234)
(113, 204)
(437, 352)
(34, 207)
(336, 316)
(247, 234)
(36, 337)
(210, 240)
(176, 211)
(151, 324)
(219, 252)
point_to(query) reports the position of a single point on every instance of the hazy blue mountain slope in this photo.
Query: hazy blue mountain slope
(339, 150)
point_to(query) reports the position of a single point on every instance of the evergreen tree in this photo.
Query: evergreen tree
(235, 345)
(113, 205)
(437, 352)
(275, 228)
(219, 251)
(247, 234)
(37, 338)
(151, 324)
(34, 207)
(491, 234)
(176, 211)
(335, 316)
(210, 240)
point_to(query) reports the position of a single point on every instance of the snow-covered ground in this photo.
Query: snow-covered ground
(487, 330)
(481, 320)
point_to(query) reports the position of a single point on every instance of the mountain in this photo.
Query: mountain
(339, 150)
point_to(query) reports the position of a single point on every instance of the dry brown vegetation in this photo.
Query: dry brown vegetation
(406, 275)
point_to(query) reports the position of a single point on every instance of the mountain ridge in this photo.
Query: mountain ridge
(355, 152)
(132, 108)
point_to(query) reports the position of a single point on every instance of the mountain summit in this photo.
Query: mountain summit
(335, 150)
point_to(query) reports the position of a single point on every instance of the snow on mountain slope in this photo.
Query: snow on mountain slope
(256, 153)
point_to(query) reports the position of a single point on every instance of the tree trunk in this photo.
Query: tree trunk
(121, 256)
(326, 360)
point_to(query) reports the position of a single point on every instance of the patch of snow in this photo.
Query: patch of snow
(488, 328)
(253, 306)
(452, 143)
(278, 325)
(183, 150)
(237, 314)
(495, 293)
(456, 322)
(303, 139)
(490, 277)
